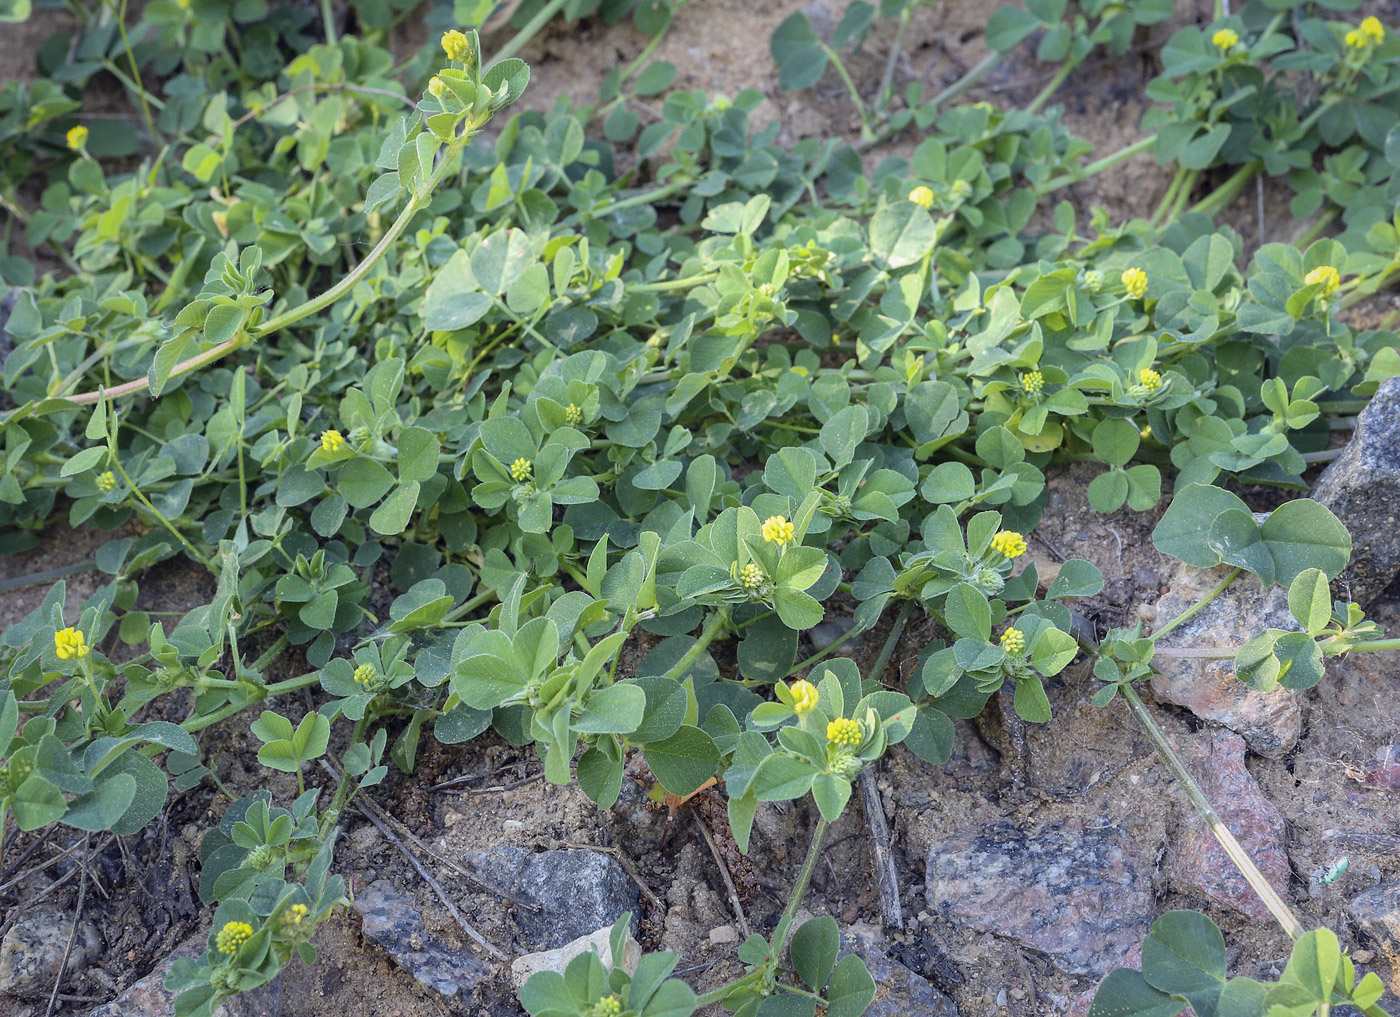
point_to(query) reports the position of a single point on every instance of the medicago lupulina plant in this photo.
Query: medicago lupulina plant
(695, 404)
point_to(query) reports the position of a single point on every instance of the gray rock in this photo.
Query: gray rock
(1362, 488)
(1269, 721)
(899, 992)
(1377, 914)
(31, 953)
(575, 892)
(1196, 861)
(392, 921)
(1081, 896)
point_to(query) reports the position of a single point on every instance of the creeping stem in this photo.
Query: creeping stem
(1238, 855)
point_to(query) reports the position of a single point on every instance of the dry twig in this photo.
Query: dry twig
(885, 876)
(734, 903)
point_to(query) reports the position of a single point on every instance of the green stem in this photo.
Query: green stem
(311, 306)
(882, 98)
(228, 710)
(1237, 854)
(643, 198)
(713, 624)
(1226, 192)
(1168, 198)
(136, 491)
(887, 651)
(974, 74)
(531, 29)
(1315, 230)
(799, 890)
(831, 647)
(328, 19)
(1098, 166)
(1191, 611)
(136, 75)
(688, 282)
(865, 130)
(1052, 86)
(48, 576)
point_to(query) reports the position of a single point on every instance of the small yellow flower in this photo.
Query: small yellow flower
(1325, 276)
(77, 138)
(1135, 282)
(844, 731)
(1150, 379)
(1356, 39)
(184, 5)
(1373, 30)
(70, 644)
(573, 414)
(1009, 543)
(1093, 280)
(1225, 39)
(1146, 432)
(332, 441)
(232, 936)
(107, 481)
(457, 47)
(295, 914)
(921, 196)
(365, 674)
(777, 530)
(751, 577)
(437, 88)
(521, 469)
(608, 1006)
(1032, 382)
(804, 697)
(1013, 641)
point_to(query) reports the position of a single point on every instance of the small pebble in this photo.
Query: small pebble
(724, 934)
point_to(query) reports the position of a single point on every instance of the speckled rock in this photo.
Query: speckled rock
(899, 992)
(1085, 1000)
(32, 952)
(1377, 914)
(1269, 721)
(574, 892)
(1196, 862)
(1362, 488)
(600, 942)
(393, 921)
(1081, 896)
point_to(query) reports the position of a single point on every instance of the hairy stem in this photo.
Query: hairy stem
(1191, 611)
(713, 625)
(1236, 852)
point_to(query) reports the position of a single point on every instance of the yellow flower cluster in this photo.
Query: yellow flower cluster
(1032, 381)
(70, 644)
(921, 196)
(521, 469)
(573, 414)
(1325, 276)
(232, 936)
(457, 46)
(804, 697)
(107, 481)
(437, 88)
(1225, 39)
(77, 138)
(1013, 641)
(1009, 543)
(777, 530)
(750, 576)
(1369, 33)
(332, 441)
(1150, 379)
(365, 674)
(608, 1006)
(844, 731)
(1135, 282)
(295, 914)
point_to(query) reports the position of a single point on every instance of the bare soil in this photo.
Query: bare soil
(1087, 768)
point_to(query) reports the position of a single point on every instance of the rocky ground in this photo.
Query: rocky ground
(1029, 865)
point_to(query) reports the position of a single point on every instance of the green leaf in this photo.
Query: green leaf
(1234, 536)
(798, 610)
(1184, 955)
(1009, 26)
(843, 432)
(831, 793)
(967, 612)
(418, 454)
(683, 762)
(901, 234)
(1076, 578)
(393, 514)
(37, 803)
(102, 807)
(1310, 600)
(1302, 535)
(1125, 993)
(813, 951)
(851, 989)
(613, 709)
(1031, 702)
(1184, 529)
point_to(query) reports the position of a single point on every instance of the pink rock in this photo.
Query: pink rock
(1269, 721)
(1196, 861)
